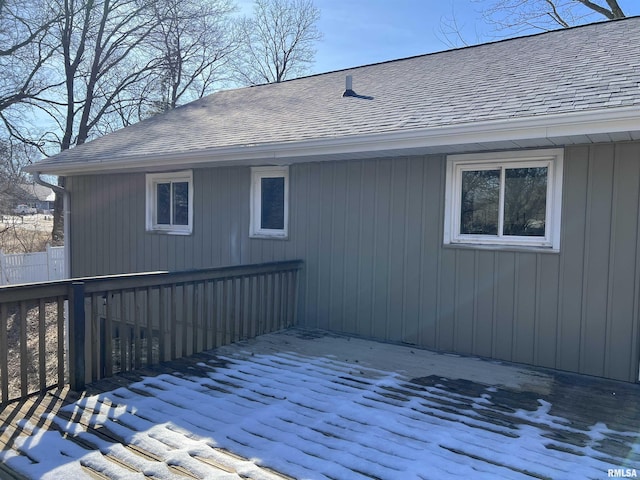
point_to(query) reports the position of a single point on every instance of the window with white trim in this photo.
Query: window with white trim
(504, 199)
(269, 202)
(170, 202)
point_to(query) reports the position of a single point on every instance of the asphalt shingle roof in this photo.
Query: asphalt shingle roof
(591, 67)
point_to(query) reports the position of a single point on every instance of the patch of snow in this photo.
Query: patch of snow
(314, 418)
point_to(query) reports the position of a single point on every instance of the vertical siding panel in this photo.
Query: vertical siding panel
(524, 328)
(314, 205)
(126, 261)
(298, 229)
(72, 185)
(111, 214)
(129, 251)
(243, 200)
(220, 222)
(505, 305)
(484, 301)
(152, 252)
(353, 214)
(446, 299)
(163, 252)
(338, 209)
(206, 215)
(395, 322)
(83, 261)
(237, 204)
(236, 177)
(414, 248)
(83, 209)
(225, 209)
(574, 195)
(381, 248)
(465, 300)
(155, 261)
(100, 210)
(181, 243)
(431, 250)
(596, 264)
(367, 248)
(325, 244)
(137, 196)
(211, 233)
(547, 310)
(122, 224)
(201, 217)
(621, 360)
(92, 238)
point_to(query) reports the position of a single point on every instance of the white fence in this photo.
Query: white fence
(32, 267)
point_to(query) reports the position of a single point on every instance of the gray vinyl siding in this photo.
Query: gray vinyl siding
(370, 233)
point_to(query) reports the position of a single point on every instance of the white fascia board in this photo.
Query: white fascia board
(540, 127)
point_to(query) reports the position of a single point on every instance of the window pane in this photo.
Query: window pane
(163, 203)
(480, 202)
(525, 201)
(181, 203)
(272, 203)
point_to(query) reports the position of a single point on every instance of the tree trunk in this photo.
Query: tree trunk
(57, 234)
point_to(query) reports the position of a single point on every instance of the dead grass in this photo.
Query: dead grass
(25, 234)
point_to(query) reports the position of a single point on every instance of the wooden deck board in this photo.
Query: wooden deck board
(38, 411)
(420, 395)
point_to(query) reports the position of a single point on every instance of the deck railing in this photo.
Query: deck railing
(124, 322)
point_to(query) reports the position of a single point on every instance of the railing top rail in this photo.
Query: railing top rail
(14, 293)
(127, 282)
(33, 291)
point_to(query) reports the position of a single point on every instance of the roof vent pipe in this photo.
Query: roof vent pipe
(348, 92)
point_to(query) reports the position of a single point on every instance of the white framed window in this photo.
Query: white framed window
(509, 199)
(170, 202)
(269, 216)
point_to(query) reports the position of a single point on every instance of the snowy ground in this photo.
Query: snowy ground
(312, 416)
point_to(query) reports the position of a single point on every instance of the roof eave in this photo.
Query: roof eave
(548, 126)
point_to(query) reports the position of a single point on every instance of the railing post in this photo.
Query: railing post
(76, 337)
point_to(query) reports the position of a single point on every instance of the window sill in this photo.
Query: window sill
(169, 232)
(500, 248)
(266, 236)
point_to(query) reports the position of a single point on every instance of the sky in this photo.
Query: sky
(360, 32)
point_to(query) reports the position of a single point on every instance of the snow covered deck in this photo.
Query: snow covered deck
(300, 404)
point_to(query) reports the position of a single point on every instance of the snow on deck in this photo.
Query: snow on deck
(286, 405)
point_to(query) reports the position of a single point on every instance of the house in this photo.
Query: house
(26, 195)
(38, 196)
(483, 200)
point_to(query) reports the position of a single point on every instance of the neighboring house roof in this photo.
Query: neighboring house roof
(12, 194)
(35, 192)
(544, 89)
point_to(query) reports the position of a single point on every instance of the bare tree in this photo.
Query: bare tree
(24, 51)
(517, 16)
(101, 51)
(10, 173)
(280, 41)
(194, 41)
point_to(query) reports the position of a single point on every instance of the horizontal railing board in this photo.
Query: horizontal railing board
(133, 281)
(36, 291)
